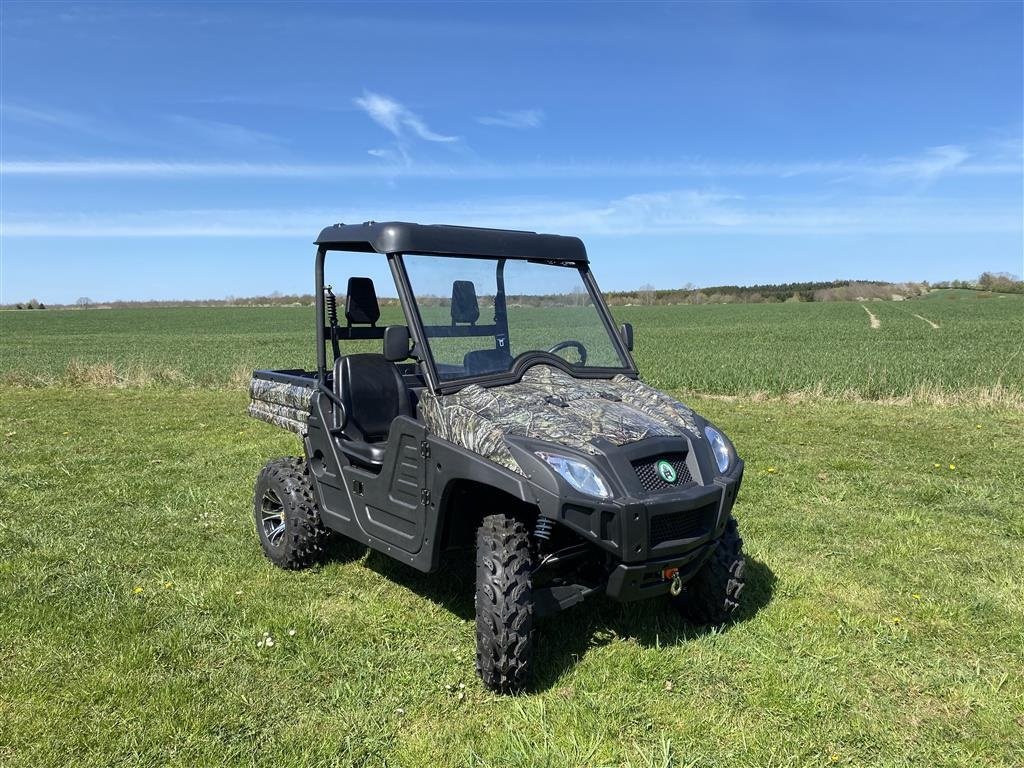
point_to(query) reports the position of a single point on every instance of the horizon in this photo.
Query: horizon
(739, 144)
(277, 295)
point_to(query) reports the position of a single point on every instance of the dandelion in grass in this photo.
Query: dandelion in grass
(291, 633)
(952, 467)
(138, 591)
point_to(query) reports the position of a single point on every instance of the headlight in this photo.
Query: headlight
(580, 475)
(719, 447)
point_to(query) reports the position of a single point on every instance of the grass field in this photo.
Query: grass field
(885, 616)
(826, 348)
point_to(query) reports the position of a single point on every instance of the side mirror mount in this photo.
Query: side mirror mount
(626, 332)
(396, 343)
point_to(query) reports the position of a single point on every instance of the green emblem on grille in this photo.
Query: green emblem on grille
(666, 471)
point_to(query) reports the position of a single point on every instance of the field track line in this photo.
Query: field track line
(875, 322)
(933, 325)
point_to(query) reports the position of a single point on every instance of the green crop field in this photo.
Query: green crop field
(881, 511)
(824, 348)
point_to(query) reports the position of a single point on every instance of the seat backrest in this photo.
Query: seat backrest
(361, 307)
(483, 361)
(374, 394)
(465, 307)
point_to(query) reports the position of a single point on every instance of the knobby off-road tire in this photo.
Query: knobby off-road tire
(712, 596)
(504, 604)
(287, 519)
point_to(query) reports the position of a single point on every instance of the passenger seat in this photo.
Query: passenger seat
(371, 388)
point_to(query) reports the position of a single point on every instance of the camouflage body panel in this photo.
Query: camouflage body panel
(279, 416)
(548, 404)
(280, 404)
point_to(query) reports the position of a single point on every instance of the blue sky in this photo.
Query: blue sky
(195, 150)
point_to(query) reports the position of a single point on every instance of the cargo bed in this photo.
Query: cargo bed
(282, 398)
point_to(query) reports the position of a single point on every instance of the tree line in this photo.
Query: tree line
(30, 304)
(834, 290)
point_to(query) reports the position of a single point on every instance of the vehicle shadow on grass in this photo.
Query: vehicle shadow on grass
(564, 639)
(451, 586)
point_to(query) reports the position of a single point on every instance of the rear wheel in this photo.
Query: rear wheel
(287, 519)
(504, 604)
(712, 596)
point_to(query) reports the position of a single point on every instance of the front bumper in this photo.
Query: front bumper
(639, 582)
(648, 526)
(651, 534)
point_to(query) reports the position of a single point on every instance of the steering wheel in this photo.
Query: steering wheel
(571, 343)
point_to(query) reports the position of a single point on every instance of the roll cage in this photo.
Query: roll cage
(394, 239)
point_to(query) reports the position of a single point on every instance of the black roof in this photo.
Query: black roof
(444, 239)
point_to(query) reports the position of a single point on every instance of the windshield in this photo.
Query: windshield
(481, 314)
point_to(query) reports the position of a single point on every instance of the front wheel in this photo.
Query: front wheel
(504, 604)
(712, 596)
(287, 519)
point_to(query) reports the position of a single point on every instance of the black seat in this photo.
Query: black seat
(361, 307)
(374, 394)
(465, 307)
(370, 387)
(481, 361)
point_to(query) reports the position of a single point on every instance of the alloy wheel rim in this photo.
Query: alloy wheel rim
(272, 517)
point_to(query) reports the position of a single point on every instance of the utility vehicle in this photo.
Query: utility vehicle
(505, 413)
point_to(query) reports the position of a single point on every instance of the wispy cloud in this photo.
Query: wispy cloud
(394, 156)
(934, 162)
(170, 169)
(55, 117)
(937, 161)
(62, 119)
(930, 165)
(398, 119)
(522, 118)
(681, 211)
(225, 134)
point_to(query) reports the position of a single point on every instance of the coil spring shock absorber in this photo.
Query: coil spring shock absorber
(331, 303)
(543, 528)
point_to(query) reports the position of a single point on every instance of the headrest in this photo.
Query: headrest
(361, 307)
(465, 308)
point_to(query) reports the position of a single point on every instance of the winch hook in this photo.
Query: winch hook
(676, 587)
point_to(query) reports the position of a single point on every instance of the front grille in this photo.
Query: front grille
(688, 524)
(647, 471)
